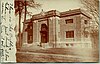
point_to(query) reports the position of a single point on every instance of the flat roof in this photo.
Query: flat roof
(74, 12)
(53, 13)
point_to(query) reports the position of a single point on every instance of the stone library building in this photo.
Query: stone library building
(58, 29)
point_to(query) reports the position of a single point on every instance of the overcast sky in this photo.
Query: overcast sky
(60, 5)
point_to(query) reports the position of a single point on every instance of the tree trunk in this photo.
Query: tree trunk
(25, 11)
(19, 34)
(24, 22)
(19, 30)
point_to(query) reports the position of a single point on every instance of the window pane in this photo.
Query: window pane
(85, 21)
(69, 21)
(69, 34)
(86, 34)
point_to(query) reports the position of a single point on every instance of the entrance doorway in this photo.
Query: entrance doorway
(30, 33)
(44, 33)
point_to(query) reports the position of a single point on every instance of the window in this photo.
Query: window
(86, 34)
(67, 44)
(30, 26)
(85, 21)
(69, 34)
(72, 44)
(44, 27)
(69, 21)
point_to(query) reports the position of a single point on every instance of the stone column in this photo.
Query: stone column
(25, 35)
(34, 32)
(51, 32)
(54, 30)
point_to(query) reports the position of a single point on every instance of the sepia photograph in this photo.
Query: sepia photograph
(57, 30)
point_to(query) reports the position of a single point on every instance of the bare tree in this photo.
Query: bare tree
(32, 4)
(21, 8)
(92, 7)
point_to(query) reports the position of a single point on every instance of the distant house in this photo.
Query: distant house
(59, 29)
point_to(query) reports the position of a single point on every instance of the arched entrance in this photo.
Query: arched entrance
(44, 33)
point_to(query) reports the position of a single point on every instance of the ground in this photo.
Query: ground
(33, 54)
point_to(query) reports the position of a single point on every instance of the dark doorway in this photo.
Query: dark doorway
(30, 33)
(44, 33)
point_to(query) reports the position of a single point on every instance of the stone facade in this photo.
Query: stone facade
(55, 25)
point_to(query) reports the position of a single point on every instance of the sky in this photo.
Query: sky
(59, 5)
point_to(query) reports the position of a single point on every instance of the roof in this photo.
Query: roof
(74, 12)
(50, 13)
(53, 13)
